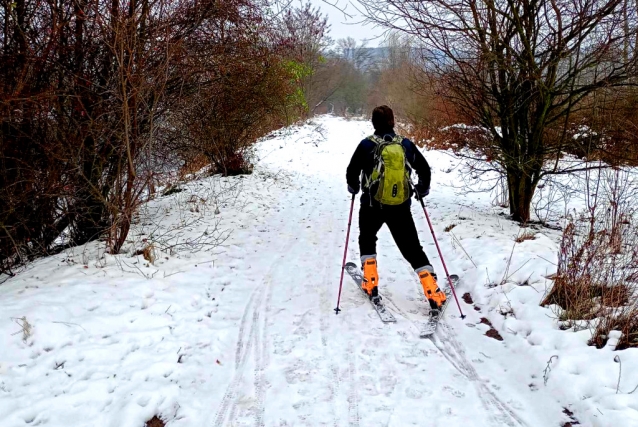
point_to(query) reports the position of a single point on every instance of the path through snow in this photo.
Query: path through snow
(246, 335)
(299, 364)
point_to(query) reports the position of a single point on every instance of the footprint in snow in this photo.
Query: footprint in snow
(416, 393)
(301, 330)
(143, 401)
(30, 417)
(454, 392)
(368, 352)
(388, 383)
(368, 385)
(297, 373)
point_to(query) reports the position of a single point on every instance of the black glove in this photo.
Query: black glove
(421, 190)
(354, 190)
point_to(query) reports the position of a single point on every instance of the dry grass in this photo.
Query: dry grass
(596, 284)
(149, 253)
(615, 296)
(581, 300)
(449, 227)
(627, 323)
(27, 328)
(192, 166)
(591, 286)
(420, 135)
(527, 235)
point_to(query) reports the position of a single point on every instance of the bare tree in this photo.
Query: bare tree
(519, 69)
(85, 86)
(306, 29)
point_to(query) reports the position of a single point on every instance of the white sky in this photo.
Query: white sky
(343, 26)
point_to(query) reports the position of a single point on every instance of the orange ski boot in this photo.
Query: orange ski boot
(433, 293)
(370, 276)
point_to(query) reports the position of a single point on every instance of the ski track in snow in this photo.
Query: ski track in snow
(325, 311)
(358, 367)
(353, 382)
(502, 414)
(255, 343)
(284, 358)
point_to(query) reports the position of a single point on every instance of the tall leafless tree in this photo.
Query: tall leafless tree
(519, 69)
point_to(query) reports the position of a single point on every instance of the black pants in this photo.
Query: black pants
(401, 224)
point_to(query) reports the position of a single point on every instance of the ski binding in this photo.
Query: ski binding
(435, 316)
(377, 302)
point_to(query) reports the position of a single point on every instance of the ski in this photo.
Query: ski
(355, 272)
(435, 316)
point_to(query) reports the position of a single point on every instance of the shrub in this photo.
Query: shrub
(95, 107)
(597, 277)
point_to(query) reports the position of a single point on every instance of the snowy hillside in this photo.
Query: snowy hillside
(229, 320)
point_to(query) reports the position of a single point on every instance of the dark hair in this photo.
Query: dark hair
(383, 119)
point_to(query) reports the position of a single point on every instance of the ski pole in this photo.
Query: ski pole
(345, 253)
(427, 217)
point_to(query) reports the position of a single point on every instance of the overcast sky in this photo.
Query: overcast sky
(343, 26)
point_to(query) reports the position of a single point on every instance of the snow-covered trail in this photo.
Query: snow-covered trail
(244, 334)
(297, 364)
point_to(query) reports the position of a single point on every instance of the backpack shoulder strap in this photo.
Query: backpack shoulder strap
(379, 144)
(375, 139)
(399, 140)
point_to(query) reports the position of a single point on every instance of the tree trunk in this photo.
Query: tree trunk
(521, 187)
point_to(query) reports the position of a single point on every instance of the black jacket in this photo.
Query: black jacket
(362, 162)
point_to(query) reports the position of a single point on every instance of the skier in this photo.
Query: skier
(384, 161)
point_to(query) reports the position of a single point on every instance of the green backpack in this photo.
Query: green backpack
(390, 171)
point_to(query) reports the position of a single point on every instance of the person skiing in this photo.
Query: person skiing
(384, 161)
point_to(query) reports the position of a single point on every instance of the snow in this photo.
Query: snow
(233, 323)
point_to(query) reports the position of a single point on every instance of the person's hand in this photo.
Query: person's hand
(352, 190)
(421, 190)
